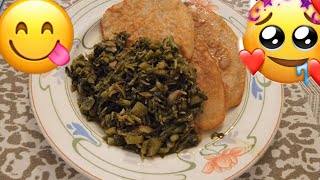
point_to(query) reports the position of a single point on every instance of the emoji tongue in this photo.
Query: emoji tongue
(60, 55)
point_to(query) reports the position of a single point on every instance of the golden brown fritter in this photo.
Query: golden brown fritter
(210, 82)
(223, 46)
(204, 39)
(155, 19)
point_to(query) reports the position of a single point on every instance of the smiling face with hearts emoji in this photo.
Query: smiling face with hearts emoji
(35, 36)
(288, 33)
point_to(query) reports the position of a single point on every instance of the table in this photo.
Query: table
(25, 154)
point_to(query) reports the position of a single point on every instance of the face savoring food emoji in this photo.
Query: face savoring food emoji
(288, 33)
(35, 36)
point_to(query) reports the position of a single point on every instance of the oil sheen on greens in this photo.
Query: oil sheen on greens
(145, 97)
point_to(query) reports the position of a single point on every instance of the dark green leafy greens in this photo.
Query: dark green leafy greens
(145, 97)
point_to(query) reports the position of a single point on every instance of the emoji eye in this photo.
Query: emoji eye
(272, 37)
(305, 37)
(21, 26)
(47, 26)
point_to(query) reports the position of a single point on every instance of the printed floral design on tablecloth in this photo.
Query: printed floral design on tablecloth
(223, 161)
(205, 3)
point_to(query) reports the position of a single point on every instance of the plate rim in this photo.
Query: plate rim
(88, 174)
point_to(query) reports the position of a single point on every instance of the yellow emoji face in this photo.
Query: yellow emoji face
(35, 36)
(288, 33)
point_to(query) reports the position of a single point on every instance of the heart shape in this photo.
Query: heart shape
(253, 60)
(316, 5)
(314, 70)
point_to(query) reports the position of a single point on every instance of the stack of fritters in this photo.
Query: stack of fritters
(204, 39)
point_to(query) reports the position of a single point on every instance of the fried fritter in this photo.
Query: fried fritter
(210, 82)
(223, 46)
(156, 19)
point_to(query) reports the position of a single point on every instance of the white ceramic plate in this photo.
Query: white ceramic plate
(249, 128)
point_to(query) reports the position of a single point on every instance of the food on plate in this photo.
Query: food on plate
(156, 19)
(153, 91)
(223, 46)
(145, 96)
(210, 82)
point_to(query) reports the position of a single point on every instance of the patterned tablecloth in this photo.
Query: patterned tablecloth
(25, 154)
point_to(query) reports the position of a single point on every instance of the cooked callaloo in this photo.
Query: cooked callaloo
(145, 97)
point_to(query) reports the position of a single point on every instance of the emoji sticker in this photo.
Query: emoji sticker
(282, 39)
(35, 36)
